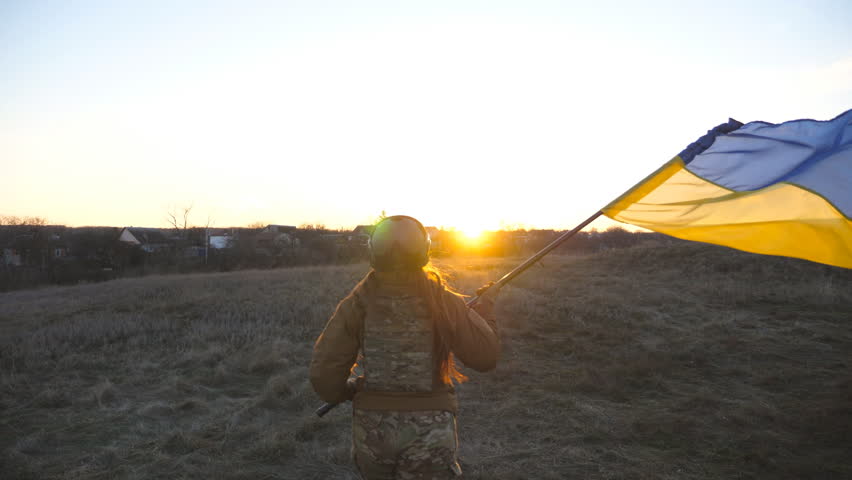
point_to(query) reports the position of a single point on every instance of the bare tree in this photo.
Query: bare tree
(179, 218)
(190, 235)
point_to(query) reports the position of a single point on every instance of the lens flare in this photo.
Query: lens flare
(472, 234)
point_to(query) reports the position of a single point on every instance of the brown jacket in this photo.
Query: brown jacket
(475, 342)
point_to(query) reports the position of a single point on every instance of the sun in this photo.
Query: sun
(472, 234)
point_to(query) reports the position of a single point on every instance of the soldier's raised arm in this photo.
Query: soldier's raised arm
(476, 337)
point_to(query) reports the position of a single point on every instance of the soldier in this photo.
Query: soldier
(404, 326)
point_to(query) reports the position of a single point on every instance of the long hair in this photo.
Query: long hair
(432, 288)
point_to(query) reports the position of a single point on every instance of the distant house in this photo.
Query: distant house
(32, 245)
(9, 246)
(150, 240)
(58, 244)
(361, 234)
(222, 238)
(91, 243)
(280, 229)
(11, 256)
(221, 241)
(364, 230)
(273, 242)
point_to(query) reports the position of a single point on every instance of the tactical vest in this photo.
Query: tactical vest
(397, 342)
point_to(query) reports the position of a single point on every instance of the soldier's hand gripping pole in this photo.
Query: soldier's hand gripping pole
(327, 407)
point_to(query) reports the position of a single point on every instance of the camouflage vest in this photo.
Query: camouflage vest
(397, 342)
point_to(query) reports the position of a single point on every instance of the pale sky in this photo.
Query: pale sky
(463, 114)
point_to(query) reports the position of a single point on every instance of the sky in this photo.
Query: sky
(472, 115)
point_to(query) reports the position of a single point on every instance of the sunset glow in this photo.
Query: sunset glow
(290, 113)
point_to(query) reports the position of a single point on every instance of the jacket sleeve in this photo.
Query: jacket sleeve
(476, 339)
(335, 351)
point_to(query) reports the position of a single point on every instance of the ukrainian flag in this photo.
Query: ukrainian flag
(781, 189)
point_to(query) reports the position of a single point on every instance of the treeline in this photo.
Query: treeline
(37, 254)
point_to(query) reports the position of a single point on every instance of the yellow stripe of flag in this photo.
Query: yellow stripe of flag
(781, 219)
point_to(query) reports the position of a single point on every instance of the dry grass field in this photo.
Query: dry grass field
(680, 363)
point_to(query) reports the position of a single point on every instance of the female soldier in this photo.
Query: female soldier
(404, 325)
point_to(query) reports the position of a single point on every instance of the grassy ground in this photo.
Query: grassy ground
(685, 362)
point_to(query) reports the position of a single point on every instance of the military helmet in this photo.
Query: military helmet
(399, 242)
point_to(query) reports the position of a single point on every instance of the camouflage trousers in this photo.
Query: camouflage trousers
(396, 445)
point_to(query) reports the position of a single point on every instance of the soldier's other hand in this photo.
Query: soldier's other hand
(354, 385)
